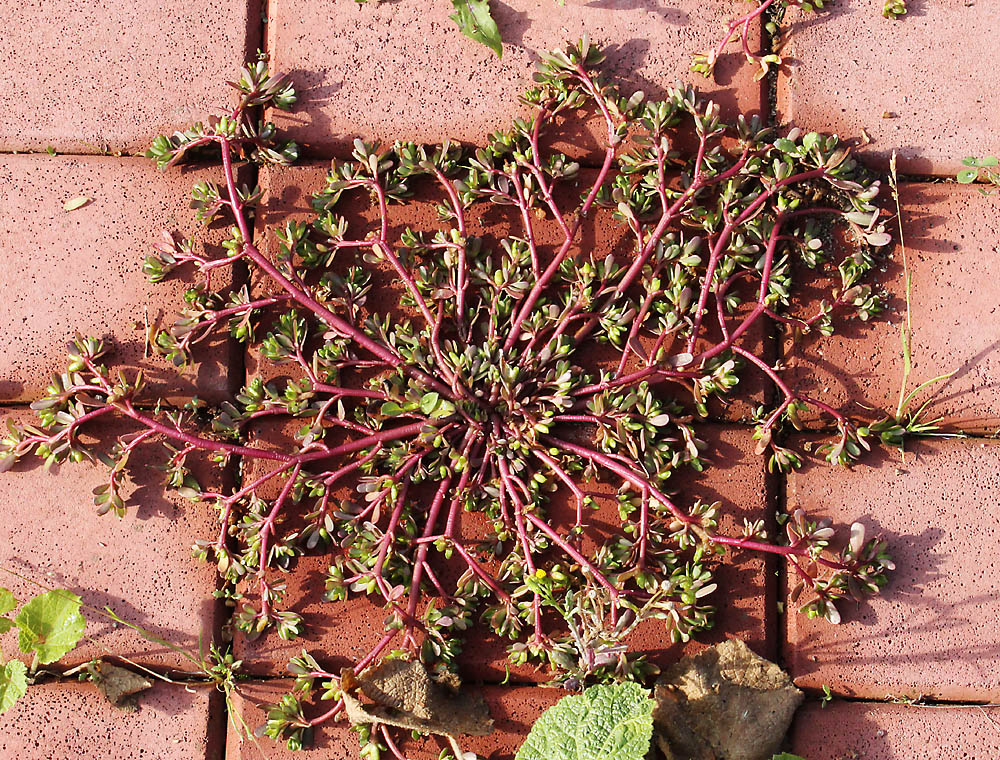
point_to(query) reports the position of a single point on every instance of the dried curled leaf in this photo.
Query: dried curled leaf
(405, 695)
(726, 703)
(118, 685)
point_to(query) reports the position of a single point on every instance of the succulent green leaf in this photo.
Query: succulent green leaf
(391, 409)
(13, 684)
(429, 402)
(51, 625)
(474, 19)
(7, 601)
(613, 722)
(785, 145)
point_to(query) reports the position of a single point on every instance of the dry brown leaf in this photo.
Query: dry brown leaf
(403, 694)
(725, 703)
(118, 685)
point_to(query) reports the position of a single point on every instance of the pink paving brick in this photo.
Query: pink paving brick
(933, 631)
(92, 76)
(73, 721)
(140, 565)
(925, 86)
(513, 709)
(81, 271)
(403, 71)
(340, 633)
(953, 252)
(869, 731)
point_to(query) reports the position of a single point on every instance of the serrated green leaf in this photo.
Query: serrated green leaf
(13, 684)
(474, 19)
(5, 624)
(51, 625)
(613, 722)
(7, 601)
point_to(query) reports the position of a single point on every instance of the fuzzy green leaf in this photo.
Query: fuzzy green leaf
(474, 19)
(51, 625)
(612, 722)
(13, 684)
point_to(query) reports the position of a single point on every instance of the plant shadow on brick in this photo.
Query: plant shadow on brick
(476, 405)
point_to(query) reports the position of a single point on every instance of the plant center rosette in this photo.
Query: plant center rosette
(452, 447)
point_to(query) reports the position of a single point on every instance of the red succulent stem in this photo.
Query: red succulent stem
(632, 477)
(784, 551)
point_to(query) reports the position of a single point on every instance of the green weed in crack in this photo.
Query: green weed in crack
(472, 394)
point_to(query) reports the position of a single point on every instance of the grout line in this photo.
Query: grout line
(769, 42)
(779, 479)
(931, 704)
(307, 158)
(242, 276)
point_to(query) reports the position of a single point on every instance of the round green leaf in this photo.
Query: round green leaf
(968, 175)
(13, 684)
(51, 625)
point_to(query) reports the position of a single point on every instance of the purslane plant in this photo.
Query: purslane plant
(478, 392)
